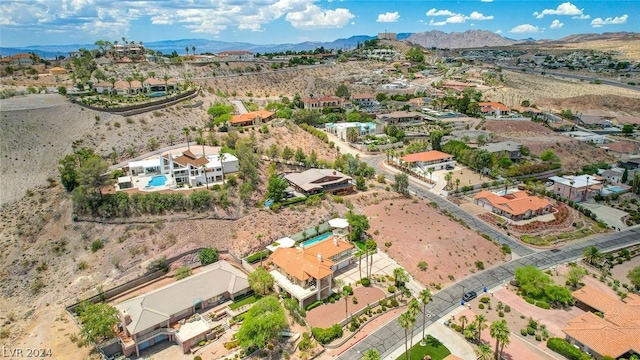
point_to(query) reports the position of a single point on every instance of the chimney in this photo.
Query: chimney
(335, 241)
(320, 257)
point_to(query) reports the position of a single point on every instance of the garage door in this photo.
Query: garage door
(144, 345)
(160, 338)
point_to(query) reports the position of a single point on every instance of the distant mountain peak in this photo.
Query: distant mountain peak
(459, 40)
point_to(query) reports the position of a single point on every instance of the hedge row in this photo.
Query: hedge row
(257, 256)
(567, 350)
(315, 132)
(325, 336)
(313, 305)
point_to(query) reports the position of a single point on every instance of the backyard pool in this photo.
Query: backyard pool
(159, 180)
(316, 239)
(157, 94)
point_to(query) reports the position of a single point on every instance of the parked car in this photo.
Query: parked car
(468, 296)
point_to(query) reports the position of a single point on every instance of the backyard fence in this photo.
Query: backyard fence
(142, 108)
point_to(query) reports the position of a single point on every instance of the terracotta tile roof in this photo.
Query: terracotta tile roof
(304, 263)
(517, 203)
(426, 156)
(363, 96)
(263, 114)
(617, 333)
(493, 105)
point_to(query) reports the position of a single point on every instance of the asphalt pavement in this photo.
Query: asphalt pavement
(391, 336)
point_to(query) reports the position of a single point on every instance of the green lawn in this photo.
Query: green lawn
(434, 348)
(248, 300)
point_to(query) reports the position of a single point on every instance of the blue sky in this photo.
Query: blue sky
(48, 22)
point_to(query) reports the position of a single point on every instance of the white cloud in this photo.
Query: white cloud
(556, 24)
(388, 17)
(498, 31)
(524, 29)
(434, 12)
(313, 17)
(453, 18)
(478, 16)
(582, 17)
(112, 19)
(618, 20)
(566, 8)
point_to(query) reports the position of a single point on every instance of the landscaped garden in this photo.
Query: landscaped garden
(432, 348)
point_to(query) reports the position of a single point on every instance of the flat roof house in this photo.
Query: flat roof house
(430, 159)
(365, 100)
(401, 117)
(516, 206)
(157, 315)
(364, 129)
(236, 55)
(615, 334)
(306, 273)
(186, 167)
(576, 188)
(314, 181)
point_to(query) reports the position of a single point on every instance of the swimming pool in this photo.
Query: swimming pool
(616, 189)
(158, 180)
(316, 239)
(157, 94)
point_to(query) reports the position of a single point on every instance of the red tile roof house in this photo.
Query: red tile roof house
(365, 100)
(515, 206)
(152, 84)
(252, 118)
(306, 273)
(615, 334)
(125, 88)
(236, 55)
(314, 181)
(162, 314)
(623, 150)
(323, 102)
(430, 159)
(493, 109)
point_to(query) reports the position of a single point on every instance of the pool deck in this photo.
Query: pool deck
(317, 239)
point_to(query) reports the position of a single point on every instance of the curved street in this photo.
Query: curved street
(389, 337)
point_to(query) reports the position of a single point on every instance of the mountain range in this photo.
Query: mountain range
(434, 38)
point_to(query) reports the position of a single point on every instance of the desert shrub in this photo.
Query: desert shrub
(391, 289)
(531, 331)
(539, 337)
(325, 336)
(523, 332)
(480, 265)
(348, 289)
(507, 308)
(567, 350)
(197, 358)
(530, 300)
(231, 345)
(182, 272)
(394, 303)
(501, 313)
(485, 300)
(97, 245)
(481, 306)
(208, 256)
(543, 305)
(365, 282)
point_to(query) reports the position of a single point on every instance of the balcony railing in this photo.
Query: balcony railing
(154, 333)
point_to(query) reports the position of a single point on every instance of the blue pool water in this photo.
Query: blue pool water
(316, 239)
(158, 180)
(268, 203)
(157, 94)
(615, 189)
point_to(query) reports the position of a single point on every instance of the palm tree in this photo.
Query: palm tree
(425, 298)
(186, 132)
(129, 79)
(484, 352)
(200, 132)
(592, 255)
(166, 82)
(471, 331)
(448, 178)
(457, 184)
(500, 332)
(186, 48)
(586, 190)
(345, 293)
(371, 245)
(171, 139)
(463, 321)
(371, 354)
(204, 171)
(430, 171)
(222, 158)
(193, 49)
(571, 188)
(481, 324)
(406, 320)
(414, 309)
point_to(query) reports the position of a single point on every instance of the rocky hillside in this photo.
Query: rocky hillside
(459, 40)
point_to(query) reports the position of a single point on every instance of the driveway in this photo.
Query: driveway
(239, 106)
(612, 216)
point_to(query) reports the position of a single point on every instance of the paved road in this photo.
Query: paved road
(391, 336)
